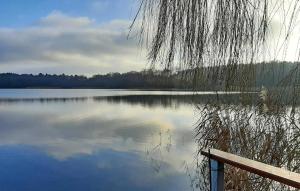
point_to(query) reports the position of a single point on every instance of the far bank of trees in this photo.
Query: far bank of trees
(272, 74)
(130, 80)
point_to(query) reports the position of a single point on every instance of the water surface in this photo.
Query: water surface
(95, 140)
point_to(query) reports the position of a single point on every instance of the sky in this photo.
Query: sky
(91, 36)
(69, 36)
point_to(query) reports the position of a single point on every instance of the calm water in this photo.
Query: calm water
(95, 140)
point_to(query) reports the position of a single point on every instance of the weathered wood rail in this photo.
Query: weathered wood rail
(219, 158)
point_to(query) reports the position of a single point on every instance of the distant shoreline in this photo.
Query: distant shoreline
(269, 75)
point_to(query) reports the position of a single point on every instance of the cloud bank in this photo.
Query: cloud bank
(59, 43)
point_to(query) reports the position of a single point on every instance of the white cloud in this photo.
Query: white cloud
(58, 19)
(61, 43)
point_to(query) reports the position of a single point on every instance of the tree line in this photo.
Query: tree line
(131, 80)
(271, 74)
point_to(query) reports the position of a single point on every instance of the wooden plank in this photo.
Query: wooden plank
(264, 170)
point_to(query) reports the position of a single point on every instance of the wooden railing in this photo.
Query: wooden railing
(219, 158)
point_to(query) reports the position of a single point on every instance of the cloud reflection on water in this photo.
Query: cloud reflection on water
(76, 131)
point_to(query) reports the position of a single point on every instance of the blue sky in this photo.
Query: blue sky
(20, 13)
(68, 36)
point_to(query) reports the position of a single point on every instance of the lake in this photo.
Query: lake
(96, 140)
(58, 139)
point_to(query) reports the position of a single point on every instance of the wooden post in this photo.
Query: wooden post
(216, 175)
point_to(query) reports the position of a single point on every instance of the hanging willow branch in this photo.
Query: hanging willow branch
(189, 34)
(218, 35)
